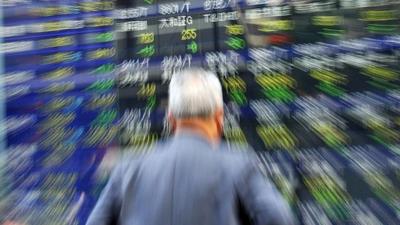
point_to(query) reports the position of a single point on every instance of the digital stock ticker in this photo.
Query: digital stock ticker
(313, 87)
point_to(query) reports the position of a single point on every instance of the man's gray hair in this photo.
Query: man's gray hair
(194, 92)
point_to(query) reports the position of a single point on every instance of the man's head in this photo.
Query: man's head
(196, 103)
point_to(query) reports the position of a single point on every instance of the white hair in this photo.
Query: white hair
(194, 92)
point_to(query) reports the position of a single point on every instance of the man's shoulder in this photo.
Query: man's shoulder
(133, 157)
(236, 151)
(237, 156)
(229, 156)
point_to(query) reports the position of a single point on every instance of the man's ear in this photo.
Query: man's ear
(172, 121)
(219, 118)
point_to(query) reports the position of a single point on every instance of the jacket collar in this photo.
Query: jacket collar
(188, 136)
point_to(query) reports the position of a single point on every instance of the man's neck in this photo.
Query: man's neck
(201, 127)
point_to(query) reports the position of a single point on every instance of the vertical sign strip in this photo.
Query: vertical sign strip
(3, 162)
(2, 92)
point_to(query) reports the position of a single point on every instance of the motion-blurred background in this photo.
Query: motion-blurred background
(312, 86)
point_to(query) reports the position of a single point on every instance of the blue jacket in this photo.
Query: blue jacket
(188, 182)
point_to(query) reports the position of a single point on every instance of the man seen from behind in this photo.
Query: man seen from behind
(191, 179)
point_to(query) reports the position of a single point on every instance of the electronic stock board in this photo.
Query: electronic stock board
(311, 86)
(61, 113)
